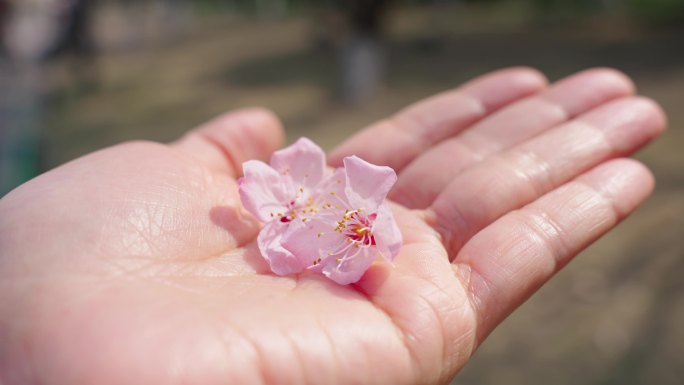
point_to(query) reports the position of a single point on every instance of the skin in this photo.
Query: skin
(137, 264)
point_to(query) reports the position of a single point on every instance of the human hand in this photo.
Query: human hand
(137, 263)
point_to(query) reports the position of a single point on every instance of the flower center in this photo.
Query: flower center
(357, 228)
(300, 206)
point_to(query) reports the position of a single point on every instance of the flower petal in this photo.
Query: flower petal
(367, 184)
(311, 240)
(331, 195)
(317, 239)
(387, 236)
(351, 270)
(263, 191)
(304, 161)
(282, 261)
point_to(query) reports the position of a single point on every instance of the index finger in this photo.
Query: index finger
(396, 141)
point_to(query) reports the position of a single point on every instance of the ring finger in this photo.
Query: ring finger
(509, 180)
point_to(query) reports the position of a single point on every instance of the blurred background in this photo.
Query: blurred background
(78, 75)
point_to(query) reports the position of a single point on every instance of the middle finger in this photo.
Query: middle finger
(514, 124)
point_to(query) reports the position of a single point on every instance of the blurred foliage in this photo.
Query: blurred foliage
(654, 12)
(564, 4)
(668, 12)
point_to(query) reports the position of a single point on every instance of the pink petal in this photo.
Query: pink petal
(304, 161)
(387, 236)
(282, 261)
(351, 270)
(318, 239)
(311, 240)
(367, 184)
(332, 191)
(263, 191)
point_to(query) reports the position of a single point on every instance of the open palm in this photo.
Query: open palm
(137, 264)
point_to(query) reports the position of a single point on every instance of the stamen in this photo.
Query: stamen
(361, 231)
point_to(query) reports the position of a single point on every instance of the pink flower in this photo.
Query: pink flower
(353, 226)
(332, 223)
(281, 193)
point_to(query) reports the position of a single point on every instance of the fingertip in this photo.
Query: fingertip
(612, 78)
(605, 80)
(265, 129)
(227, 141)
(500, 87)
(519, 75)
(649, 122)
(258, 125)
(628, 123)
(588, 89)
(624, 181)
(527, 76)
(654, 113)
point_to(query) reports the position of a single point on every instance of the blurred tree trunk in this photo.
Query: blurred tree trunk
(4, 13)
(22, 107)
(362, 63)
